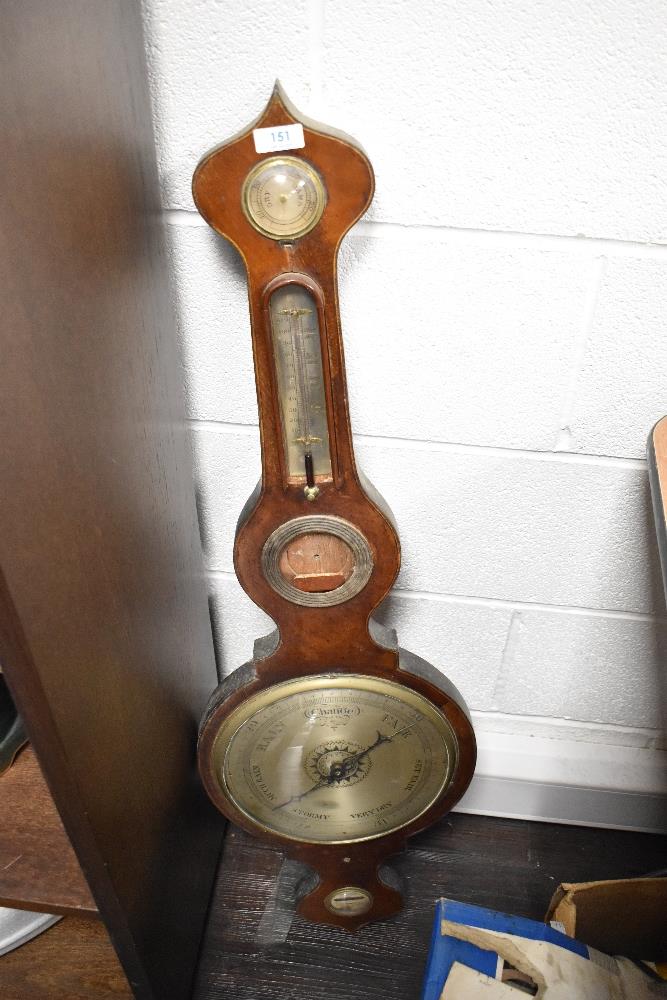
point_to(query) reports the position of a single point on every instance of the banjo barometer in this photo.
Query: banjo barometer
(332, 743)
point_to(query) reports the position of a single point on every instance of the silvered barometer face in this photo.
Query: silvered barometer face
(283, 197)
(334, 758)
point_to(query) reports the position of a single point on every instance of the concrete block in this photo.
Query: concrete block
(442, 342)
(464, 641)
(535, 117)
(478, 525)
(227, 468)
(519, 529)
(212, 68)
(620, 389)
(598, 669)
(237, 622)
(212, 303)
(466, 344)
(559, 667)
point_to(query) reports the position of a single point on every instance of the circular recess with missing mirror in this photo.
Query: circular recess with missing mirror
(316, 563)
(317, 560)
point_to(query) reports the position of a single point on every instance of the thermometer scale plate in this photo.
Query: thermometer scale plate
(297, 349)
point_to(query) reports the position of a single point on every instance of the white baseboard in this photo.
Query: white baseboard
(569, 780)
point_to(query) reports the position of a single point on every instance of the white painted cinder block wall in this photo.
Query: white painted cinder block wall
(505, 319)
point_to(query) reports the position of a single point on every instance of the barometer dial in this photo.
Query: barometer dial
(334, 759)
(283, 197)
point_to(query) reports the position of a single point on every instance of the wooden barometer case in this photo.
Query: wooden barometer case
(332, 743)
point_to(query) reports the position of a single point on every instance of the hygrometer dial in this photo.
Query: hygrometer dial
(283, 197)
(334, 759)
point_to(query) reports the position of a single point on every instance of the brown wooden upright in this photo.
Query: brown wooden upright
(104, 628)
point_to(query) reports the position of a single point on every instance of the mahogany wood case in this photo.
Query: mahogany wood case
(315, 640)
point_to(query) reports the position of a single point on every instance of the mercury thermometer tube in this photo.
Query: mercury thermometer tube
(297, 350)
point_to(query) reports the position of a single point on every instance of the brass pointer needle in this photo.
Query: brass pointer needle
(340, 770)
(296, 798)
(328, 780)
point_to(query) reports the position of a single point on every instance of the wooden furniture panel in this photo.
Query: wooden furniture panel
(104, 626)
(39, 870)
(73, 960)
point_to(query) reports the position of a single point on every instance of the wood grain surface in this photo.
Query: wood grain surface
(257, 949)
(73, 960)
(316, 563)
(104, 625)
(39, 870)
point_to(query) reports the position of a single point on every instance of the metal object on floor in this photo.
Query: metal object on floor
(19, 926)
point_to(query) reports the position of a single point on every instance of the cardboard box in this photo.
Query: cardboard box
(620, 917)
(479, 954)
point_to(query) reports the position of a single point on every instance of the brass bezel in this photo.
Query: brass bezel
(314, 177)
(364, 908)
(320, 524)
(268, 696)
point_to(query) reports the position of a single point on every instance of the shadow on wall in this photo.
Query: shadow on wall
(230, 260)
(216, 631)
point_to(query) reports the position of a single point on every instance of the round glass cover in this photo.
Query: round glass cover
(334, 758)
(283, 197)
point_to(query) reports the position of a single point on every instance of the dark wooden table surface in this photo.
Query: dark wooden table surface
(256, 949)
